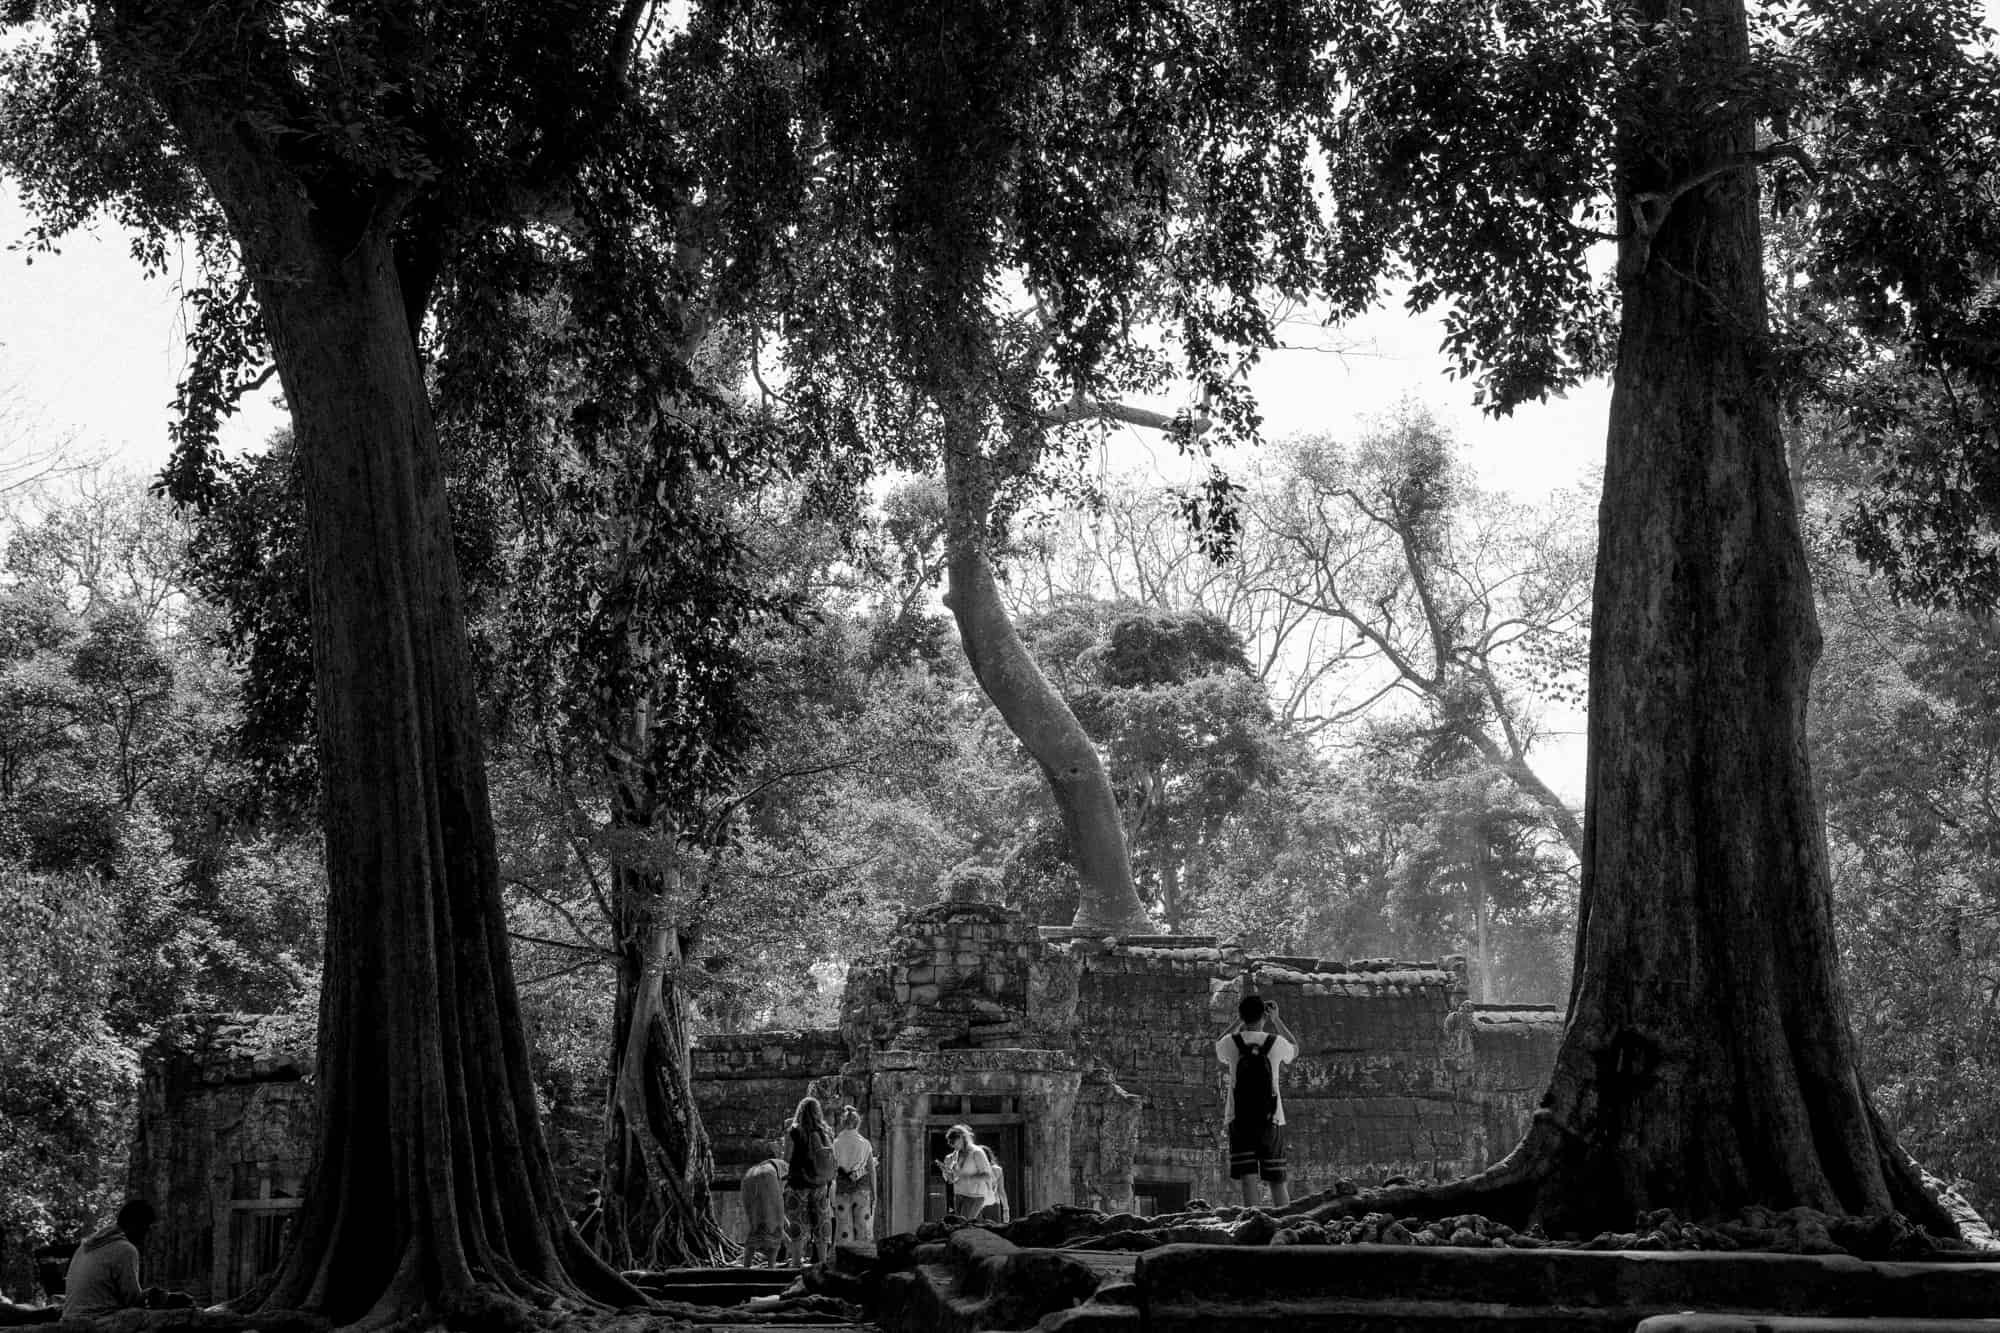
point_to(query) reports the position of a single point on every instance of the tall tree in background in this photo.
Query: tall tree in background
(1185, 729)
(1456, 598)
(1014, 194)
(1707, 1063)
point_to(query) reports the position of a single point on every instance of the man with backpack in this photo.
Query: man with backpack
(1256, 1049)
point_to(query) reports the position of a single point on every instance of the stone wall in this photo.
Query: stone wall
(748, 1085)
(1509, 1050)
(1145, 1013)
(1108, 1047)
(1089, 1065)
(225, 1130)
(960, 975)
(1384, 1085)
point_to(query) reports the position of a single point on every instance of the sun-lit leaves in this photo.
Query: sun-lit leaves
(1470, 155)
(66, 1079)
(134, 884)
(1185, 729)
(1906, 749)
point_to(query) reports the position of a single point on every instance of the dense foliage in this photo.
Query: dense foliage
(135, 880)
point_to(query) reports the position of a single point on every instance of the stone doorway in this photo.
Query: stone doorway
(1021, 1102)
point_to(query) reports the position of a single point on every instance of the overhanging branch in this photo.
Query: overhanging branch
(1650, 207)
(1079, 408)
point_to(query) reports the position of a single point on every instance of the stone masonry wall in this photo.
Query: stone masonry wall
(1509, 1049)
(960, 975)
(1098, 1055)
(1382, 1085)
(223, 1147)
(748, 1086)
(1146, 1014)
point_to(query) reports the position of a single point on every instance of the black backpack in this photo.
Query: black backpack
(1254, 1100)
(811, 1164)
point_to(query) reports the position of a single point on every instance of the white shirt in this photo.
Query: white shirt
(970, 1171)
(850, 1151)
(1279, 1052)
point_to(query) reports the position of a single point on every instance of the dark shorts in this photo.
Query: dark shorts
(1256, 1150)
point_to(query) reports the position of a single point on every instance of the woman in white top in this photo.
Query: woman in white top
(853, 1182)
(969, 1171)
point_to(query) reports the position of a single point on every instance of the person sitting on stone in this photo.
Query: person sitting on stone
(1255, 1049)
(853, 1182)
(968, 1169)
(103, 1275)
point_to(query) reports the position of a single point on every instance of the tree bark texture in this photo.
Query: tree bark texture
(433, 1181)
(1107, 899)
(657, 1210)
(1708, 1063)
(433, 1191)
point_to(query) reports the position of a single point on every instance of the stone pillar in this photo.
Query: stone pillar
(1107, 1132)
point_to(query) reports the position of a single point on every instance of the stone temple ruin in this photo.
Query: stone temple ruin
(1086, 1064)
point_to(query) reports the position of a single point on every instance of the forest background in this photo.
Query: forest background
(1306, 759)
(1331, 744)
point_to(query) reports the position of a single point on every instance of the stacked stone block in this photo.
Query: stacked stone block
(1103, 1051)
(226, 1121)
(958, 975)
(1506, 1051)
(747, 1086)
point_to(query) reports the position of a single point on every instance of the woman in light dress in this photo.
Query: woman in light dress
(969, 1170)
(853, 1182)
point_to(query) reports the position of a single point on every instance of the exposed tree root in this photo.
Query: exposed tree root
(1516, 1192)
(1505, 1191)
(657, 1212)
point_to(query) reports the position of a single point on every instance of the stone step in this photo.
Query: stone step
(1467, 1317)
(714, 1286)
(977, 1281)
(777, 1327)
(1811, 1323)
(1333, 1316)
(1640, 1284)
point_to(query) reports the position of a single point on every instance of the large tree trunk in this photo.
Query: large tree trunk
(433, 1190)
(1707, 1064)
(1034, 711)
(657, 1211)
(433, 1187)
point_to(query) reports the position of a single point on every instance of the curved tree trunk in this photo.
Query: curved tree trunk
(1034, 711)
(1707, 1064)
(1508, 760)
(657, 1211)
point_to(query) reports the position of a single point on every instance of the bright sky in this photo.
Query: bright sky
(89, 345)
(92, 346)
